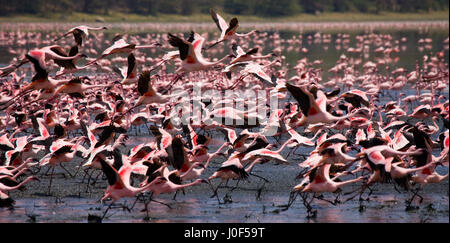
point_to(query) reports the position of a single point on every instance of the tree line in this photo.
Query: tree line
(239, 7)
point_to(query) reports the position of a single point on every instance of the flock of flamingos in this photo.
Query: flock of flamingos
(50, 118)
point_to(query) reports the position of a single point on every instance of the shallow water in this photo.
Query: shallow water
(69, 202)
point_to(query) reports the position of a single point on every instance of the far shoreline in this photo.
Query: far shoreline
(116, 17)
(421, 25)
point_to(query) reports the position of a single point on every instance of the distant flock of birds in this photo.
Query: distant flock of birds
(355, 138)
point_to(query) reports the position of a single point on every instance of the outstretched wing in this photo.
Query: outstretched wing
(234, 23)
(304, 98)
(39, 65)
(131, 64)
(252, 51)
(112, 175)
(182, 45)
(237, 50)
(143, 82)
(220, 22)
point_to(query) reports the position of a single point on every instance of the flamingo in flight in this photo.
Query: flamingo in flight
(228, 31)
(119, 184)
(129, 74)
(242, 56)
(40, 80)
(313, 111)
(80, 32)
(121, 46)
(190, 55)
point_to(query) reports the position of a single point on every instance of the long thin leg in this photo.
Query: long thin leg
(51, 178)
(68, 172)
(260, 177)
(96, 178)
(215, 191)
(156, 201)
(172, 83)
(236, 186)
(79, 167)
(175, 195)
(135, 201)
(104, 214)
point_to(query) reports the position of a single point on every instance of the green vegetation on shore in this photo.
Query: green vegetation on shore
(323, 17)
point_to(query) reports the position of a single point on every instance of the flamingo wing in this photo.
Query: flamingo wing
(237, 50)
(118, 44)
(43, 129)
(237, 170)
(333, 93)
(112, 175)
(143, 83)
(107, 133)
(131, 64)
(376, 157)
(5, 144)
(73, 51)
(304, 98)
(78, 37)
(182, 45)
(234, 23)
(197, 42)
(62, 150)
(252, 51)
(59, 50)
(265, 153)
(258, 72)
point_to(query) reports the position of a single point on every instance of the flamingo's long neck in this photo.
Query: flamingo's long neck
(211, 64)
(247, 34)
(53, 55)
(250, 167)
(411, 170)
(145, 46)
(284, 145)
(393, 151)
(333, 118)
(261, 57)
(96, 28)
(215, 154)
(348, 157)
(178, 187)
(341, 184)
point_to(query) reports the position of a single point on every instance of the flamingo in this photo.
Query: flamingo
(117, 186)
(250, 68)
(121, 46)
(228, 31)
(313, 111)
(242, 56)
(40, 80)
(318, 181)
(190, 54)
(60, 151)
